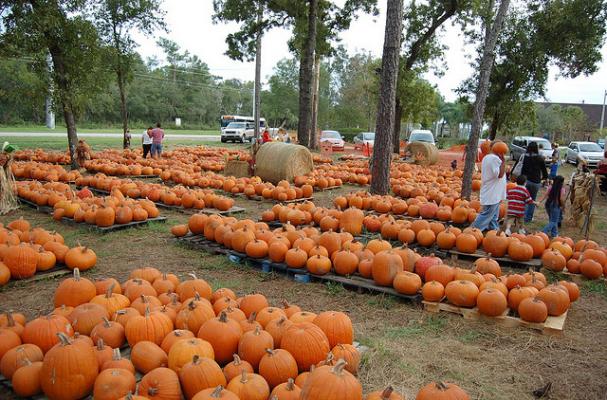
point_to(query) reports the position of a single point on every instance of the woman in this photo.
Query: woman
(534, 168)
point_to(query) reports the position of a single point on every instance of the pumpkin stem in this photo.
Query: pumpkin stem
(10, 320)
(441, 386)
(110, 291)
(196, 296)
(63, 339)
(196, 359)
(290, 385)
(270, 352)
(116, 356)
(237, 360)
(243, 377)
(339, 366)
(217, 392)
(100, 345)
(385, 395)
(192, 275)
(257, 331)
(147, 311)
(76, 274)
(252, 317)
(191, 305)
(223, 317)
(106, 322)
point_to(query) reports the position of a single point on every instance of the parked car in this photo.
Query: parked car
(238, 131)
(519, 144)
(364, 138)
(333, 137)
(421, 135)
(601, 142)
(590, 152)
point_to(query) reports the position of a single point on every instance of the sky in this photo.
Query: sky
(191, 27)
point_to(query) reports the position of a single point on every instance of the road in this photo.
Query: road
(169, 136)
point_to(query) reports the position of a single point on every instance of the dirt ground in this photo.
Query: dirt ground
(407, 347)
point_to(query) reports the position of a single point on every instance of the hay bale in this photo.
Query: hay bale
(236, 168)
(423, 153)
(276, 161)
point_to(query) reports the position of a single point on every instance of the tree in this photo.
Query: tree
(56, 27)
(574, 121)
(281, 100)
(533, 39)
(454, 114)
(116, 21)
(306, 68)
(382, 156)
(492, 31)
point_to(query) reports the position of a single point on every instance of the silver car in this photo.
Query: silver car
(519, 144)
(364, 138)
(589, 152)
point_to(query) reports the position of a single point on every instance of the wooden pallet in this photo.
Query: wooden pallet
(576, 278)
(327, 188)
(363, 284)
(552, 325)
(233, 210)
(533, 263)
(200, 242)
(405, 217)
(113, 228)
(43, 209)
(140, 176)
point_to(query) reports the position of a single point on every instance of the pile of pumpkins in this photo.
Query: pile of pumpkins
(401, 268)
(43, 172)
(158, 193)
(317, 181)
(187, 341)
(25, 250)
(41, 155)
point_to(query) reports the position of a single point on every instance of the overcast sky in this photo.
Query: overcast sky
(190, 26)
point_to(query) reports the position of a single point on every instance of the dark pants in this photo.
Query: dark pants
(146, 149)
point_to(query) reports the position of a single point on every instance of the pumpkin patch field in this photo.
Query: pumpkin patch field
(176, 322)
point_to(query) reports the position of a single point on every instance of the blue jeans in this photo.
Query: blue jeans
(156, 149)
(533, 188)
(554, 217)
(487, 218)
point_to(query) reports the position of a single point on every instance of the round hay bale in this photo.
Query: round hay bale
(276, 161)
(423, 153)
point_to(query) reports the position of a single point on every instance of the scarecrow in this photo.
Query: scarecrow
(8, 200)
(83, 152)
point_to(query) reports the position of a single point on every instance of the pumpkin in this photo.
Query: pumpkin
(407, 283)
(17, 357)
(557, 300)
(215, 393)
(183, 351)
(193, 314)
(223, 334)
(235, 368)
(351, 221)
(345, 262)
(518, 294)
(112, 333)
(5, 273)
(491, 302)
(572, 289)
(466, 243)
(386, 264)
(433, 291)
(462, 293)
(160, 384)
(64, 362)
(152, 326)
(118, 362)
(307, 343)
(277, 366)
(488, 265)
(286, 391)
(26, 380)
(74, 291)
(337, 327)
(496, 244)
(591, 269)
(446, 239)
(111, 301)
(441, 273)
(350, 354)
(332, 382)
(295, 257)
(520, 251)
(422, 264)
(80, 257)
(532, 309)
(553, 260)
(124, 315)
(253, 344)
(277, 328)
(8, 340)
(173, 337)
(442, 391)
(200, 374)
(253, 303)
(386, 394)
(180, 230)
(43, 331)
(21, 260)
(188, 289)
(318, 265)
(147, 356)
(248, 386)
(113, 383)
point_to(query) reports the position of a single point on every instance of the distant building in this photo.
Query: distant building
(592, 111)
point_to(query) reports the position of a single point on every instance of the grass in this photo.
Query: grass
(334, 288)
(596, 286)
(134, 130)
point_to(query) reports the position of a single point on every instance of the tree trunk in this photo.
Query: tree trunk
(72, 136)
(126, 141)
(494, 126)
(398, 116)
(382, 154)
(491, 34)
(315, 100)
(305, 77)
(257, 99)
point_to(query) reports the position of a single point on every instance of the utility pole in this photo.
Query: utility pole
(48, 103)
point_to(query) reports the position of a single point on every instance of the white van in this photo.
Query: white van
(421, 135)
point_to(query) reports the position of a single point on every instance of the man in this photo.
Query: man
(157, 138)
(493, 190)
(146, 141)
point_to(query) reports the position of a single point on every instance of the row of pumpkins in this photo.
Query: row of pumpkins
(401, 268)
(25, 250)
(187, 341)
(158, 193)
(43, 156)
(43, 172)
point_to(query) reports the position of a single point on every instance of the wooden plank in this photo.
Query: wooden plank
(233, 210)
(363, 283)
(534, 263)
(508, 319)
(113, 228)
(327, 188)
(576, 278)
(43, 209)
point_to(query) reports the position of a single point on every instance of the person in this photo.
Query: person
(146, 141)
(534, 168)
(157, 135)
(453, 165)
(265, 137)
(518, 197)
(554, 164)
(555, 205)
(127, 136)
(493, 190)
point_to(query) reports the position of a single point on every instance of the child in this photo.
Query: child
(554, 165)
(518, 197)
(555, 205)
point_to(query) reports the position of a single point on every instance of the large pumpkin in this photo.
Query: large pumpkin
(386, 264)
(442, 391)
(43, 331)
(200, 374)
(21, 260)
(332, 382)
(462, 293)
(160, 384)
(337, 326)
(351, 221)
(307, 343)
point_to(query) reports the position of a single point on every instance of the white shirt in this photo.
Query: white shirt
(493, 188)
(146, 138)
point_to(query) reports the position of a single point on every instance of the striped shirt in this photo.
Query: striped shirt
(518, 198)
